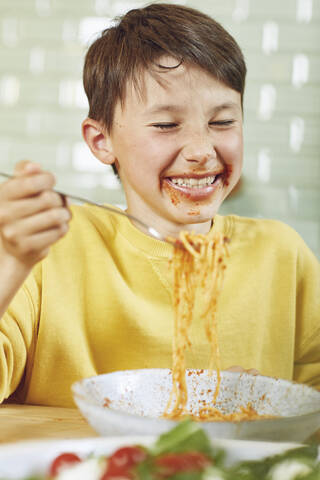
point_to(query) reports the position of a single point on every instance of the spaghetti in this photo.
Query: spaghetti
(198, 266)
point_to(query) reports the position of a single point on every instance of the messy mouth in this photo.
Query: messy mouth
(193, 182)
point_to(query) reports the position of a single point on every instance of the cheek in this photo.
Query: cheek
(143, 150)
(232, 155)
(141, 163)
(233, 148)
(175, 196)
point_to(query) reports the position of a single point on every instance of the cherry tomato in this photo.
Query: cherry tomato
(122, 461)
(172, 463)
(62, 461)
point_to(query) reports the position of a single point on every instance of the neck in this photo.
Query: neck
(167, 227)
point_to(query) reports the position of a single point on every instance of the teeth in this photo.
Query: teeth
(193, 182)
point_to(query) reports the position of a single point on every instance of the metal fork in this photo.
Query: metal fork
(151, 231)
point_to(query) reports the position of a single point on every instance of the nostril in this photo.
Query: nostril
(199, 157)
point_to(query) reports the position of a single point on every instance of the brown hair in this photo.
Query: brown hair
(140, 37)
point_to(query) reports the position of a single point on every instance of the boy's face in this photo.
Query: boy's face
(179, 148)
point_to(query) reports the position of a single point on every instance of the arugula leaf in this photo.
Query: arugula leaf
(35, 478)
(214, 473)
(315, 475)
(144, 470)
(258, 469)
(185, 437)
(242, 475)
(187, 476)
(306, 451)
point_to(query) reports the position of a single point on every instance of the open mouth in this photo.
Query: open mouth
(194, 183)
(193, 187)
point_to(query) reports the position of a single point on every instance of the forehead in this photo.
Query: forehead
(178, 83)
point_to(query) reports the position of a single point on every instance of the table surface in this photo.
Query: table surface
(31, 422)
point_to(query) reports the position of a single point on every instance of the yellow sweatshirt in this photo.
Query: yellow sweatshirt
(102, 301)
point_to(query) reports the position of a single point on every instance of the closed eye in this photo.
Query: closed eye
(222, 123)
(165, 126)
(168, 126)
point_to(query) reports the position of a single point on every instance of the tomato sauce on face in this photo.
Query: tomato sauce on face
(175, 196)
(194, 212)
(229, 170)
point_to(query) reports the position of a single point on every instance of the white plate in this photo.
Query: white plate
(21, 459)
(133, 401)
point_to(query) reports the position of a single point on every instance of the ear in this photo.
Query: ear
(97, 139)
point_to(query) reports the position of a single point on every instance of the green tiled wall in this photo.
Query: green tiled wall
(42, 104)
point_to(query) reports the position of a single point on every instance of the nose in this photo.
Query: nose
(199, 149)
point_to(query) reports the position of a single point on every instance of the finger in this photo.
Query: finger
(18, 209)
(27, 186)
(64, 199)
(47, 220)
(253, 371)
(235, 368)
(26, 167)
(37, 246)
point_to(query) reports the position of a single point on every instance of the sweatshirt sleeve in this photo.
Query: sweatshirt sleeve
(18, 332)
(307, 346)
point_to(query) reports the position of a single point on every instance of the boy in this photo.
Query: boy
(165, 88)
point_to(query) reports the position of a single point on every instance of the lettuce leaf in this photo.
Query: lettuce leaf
(187, 436)
(258, 469)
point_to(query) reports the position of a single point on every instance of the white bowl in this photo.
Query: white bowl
(132, 402)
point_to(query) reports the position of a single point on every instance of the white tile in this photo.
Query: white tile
(304, 10)
(264, 165)
(90, 28)
(9, 90)
(37, 60)
(84, 161)
(10, 33)
(102, 7)
(300, 70)
(267, 102)
(270, 37)
(120, 7)
(241, 10)
(43, 8)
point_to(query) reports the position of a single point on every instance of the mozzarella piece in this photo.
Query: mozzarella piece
(90, 469)
(289, 470)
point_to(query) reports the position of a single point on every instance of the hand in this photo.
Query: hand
(32, 215)
(237, 368)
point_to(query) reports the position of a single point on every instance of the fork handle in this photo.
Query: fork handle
(151, 230)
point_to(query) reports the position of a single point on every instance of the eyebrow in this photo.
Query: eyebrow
(165, 108)
(161, 108)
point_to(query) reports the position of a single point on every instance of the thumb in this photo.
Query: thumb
(26, 167)
(235, 368)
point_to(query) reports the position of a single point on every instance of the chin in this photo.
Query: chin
(194, 213)
(194, 217)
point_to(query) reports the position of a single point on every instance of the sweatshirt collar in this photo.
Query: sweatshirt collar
(150, 245)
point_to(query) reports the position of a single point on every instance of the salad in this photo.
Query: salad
(184, 453)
